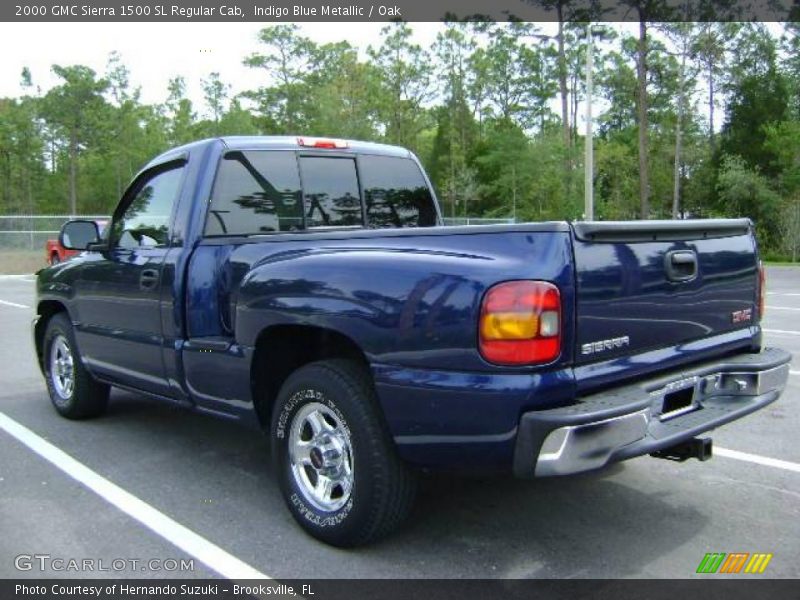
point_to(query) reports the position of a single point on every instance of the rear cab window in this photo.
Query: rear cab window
(271, 191)
(331, 196)
(396, 193)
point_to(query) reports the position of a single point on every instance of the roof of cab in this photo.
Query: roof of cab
(277, 142)
(237, 142)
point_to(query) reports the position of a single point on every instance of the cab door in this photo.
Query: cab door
(119, 331)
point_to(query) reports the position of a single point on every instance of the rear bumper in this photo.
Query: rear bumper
(630, 421)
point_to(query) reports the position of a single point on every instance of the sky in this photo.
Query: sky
(155, 52)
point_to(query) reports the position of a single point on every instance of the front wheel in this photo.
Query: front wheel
(73, 391)
(337, 467)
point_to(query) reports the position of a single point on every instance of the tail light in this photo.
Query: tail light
(520, 323)
(762, 290)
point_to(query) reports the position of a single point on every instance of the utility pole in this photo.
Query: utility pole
(589, 174)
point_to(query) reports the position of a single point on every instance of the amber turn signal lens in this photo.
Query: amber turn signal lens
(509, 326)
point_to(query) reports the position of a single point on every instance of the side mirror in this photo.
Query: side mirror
(77, 235)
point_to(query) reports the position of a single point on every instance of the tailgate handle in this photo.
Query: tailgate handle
(681, 265)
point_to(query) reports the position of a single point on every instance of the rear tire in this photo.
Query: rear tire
(73, 391)
(54, 260)
(336, 463)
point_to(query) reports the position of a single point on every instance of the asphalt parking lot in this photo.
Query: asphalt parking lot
(207, 484)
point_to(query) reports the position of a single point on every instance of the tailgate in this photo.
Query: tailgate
(643, 285)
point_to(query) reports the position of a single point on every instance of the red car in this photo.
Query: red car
(56, 253)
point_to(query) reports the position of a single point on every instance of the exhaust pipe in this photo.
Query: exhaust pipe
(699, 448)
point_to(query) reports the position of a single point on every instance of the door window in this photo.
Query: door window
(145, 222)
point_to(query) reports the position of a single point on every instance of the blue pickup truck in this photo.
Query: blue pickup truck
(308, 287)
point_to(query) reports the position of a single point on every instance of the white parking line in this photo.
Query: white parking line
(755, 458)
(14, 304)
(782, 294)
(782, 308)
(781, 331)
(211, 555)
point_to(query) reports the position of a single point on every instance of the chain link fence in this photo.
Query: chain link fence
(23, 237)
(476, 221)
(31, 232)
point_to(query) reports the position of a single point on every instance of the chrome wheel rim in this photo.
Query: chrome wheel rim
(321, 457)
(62, 368)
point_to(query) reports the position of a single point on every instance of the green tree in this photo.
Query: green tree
(75, 108)
(758, 96)
(215, 93)
(346, 92)
(181, 115)
(744, 192)
(406, 74)
(783, 141)
(237, 120)
(286, 63)
(711, 47)
(121, 129)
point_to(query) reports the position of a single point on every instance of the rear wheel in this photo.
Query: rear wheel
(73, 391)
(54, 260)
(338, 470)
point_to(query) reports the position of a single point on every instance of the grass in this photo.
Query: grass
(21, 262)
(781, 263)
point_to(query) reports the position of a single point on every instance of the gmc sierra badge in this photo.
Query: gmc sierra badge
(603, 345)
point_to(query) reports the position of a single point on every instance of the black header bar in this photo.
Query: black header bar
(277, 11)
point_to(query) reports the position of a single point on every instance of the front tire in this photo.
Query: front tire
(73, 391)
(337, 467)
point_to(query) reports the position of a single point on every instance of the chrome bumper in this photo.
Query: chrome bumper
(639, 419)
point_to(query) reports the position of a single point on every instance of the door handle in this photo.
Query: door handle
(681, 265)
(148, 279)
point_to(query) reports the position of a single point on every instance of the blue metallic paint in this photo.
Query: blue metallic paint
(624, 292)
(410, 300)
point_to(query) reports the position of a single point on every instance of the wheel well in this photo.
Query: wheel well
(282, 349)
(46, 310)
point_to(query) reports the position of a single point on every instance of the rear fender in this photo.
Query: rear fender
(402, 305)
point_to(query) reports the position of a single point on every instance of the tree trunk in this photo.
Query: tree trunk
(73, 176)
(574, 121)
(562, 81)
(7, 179)
(562, 86)
(676, 187)
(711, 138)
(514, 192)
(119, 181)
(29, 189)
(641, 71)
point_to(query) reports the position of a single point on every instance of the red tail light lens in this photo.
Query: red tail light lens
(520, 323)
(322, 143)
(762, 289)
